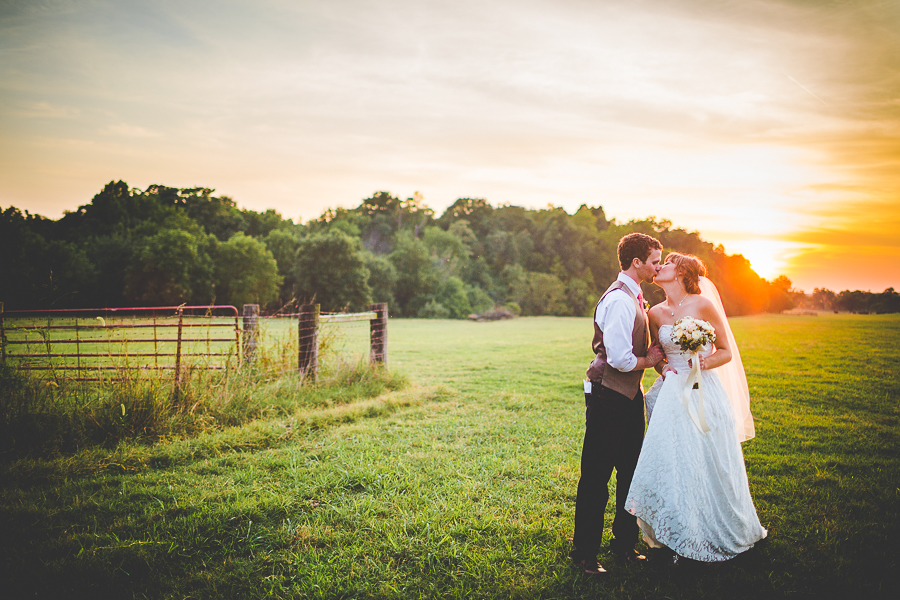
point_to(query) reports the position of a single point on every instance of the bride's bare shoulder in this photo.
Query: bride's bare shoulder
(657, 315)
(705, 306)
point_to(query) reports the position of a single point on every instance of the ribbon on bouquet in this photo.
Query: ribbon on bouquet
(694, 376)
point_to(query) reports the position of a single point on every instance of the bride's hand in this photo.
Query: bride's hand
(702, 363)
(666, 370)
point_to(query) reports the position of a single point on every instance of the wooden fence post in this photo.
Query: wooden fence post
(378, 328)
(308, 338)
(251, 331)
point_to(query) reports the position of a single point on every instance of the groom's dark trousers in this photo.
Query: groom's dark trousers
(613, 436)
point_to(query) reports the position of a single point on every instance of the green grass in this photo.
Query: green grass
(463, 485)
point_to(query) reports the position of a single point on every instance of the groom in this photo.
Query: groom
(615, 404)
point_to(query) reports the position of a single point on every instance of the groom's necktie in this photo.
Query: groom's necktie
(641, 299)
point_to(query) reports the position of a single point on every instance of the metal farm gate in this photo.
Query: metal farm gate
(107, 343)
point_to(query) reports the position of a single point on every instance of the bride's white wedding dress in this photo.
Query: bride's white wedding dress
(690, 489)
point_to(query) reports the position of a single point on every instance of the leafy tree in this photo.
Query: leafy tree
(854, 301)
(476, 212)
(742, 290)
(782, 283)
(824, 298)
(64, 275)
(382, 278)
(780, 294)
(462, 230)
(260, 225)
(345, 226)
(542, 294)
(503, 249)
(417, 279)
(378, 232)
(283, 245)
(414, 215)
(219, 216)
(330, 269)
(112, 256)
(590, 218)
(114, 211)
(557, 244)
(384, 215)
(447, 249)
(246, 272)
(477, 273)
(37, 273)
(514, 280)
(579, 299)
(172, 267)
(479, 300)
(887, 301)
(451, 293)
(434, 310)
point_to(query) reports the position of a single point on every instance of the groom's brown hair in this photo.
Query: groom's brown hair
(636, 246)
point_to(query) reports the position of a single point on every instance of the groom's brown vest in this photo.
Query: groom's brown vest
(628, 383)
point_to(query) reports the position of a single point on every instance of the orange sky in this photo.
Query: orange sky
(771, 127)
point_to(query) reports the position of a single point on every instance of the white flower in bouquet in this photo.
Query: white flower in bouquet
(692, 334)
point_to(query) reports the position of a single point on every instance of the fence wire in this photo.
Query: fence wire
(95, 344)
(339, 342)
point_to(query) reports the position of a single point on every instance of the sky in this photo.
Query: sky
(770, 127)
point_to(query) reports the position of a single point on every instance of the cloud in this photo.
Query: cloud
(872, 268)
(134, 131)
(46, 110)
(869, 223)
(850, 244)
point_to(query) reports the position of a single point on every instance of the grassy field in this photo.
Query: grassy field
(463, 484)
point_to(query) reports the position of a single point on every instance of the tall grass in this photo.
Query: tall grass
(44, 416)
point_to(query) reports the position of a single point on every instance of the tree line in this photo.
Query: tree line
(856, 301)
(168, 246)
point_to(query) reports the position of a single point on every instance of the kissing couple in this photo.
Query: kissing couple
(683, 483)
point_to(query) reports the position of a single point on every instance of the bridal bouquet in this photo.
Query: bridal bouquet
(692, 334)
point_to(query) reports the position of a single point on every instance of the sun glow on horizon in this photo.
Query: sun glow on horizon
(768, 257)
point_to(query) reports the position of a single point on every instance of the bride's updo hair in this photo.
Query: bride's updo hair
(689, 268)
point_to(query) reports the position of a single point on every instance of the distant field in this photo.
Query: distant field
(464, 485)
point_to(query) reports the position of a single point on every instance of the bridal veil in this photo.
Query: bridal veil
(731, 374)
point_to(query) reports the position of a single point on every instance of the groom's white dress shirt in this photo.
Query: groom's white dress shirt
(615, 318)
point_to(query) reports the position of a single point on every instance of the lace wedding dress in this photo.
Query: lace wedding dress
(690, 489)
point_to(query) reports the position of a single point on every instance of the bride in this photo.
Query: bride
(690, 491)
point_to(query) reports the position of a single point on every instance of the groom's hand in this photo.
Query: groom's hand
(595, 369)
(654, 355)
